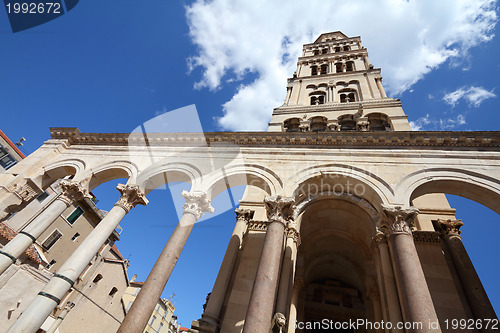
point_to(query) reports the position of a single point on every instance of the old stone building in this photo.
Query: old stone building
(344, 217)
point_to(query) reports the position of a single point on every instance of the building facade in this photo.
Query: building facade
(344, 217)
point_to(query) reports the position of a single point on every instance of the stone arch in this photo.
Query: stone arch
(243, 174)
(378, 121)
(376, 190)
(109, 171)
(58, 170)
(468, 184)
(162, 173)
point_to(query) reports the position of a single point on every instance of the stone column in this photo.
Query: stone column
(137, 318)
(261, 305)
(288, 268)
(61, 317)
(378, 80)
(214, 304)
(393, 309)
(415, 298)
(51, 295)
(474, 290)
(294, 303)
(70, 192)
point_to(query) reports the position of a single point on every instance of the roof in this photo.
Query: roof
(332, 35)
(8, 233)
(11, 144)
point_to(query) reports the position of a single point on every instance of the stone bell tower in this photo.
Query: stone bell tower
(335, 88)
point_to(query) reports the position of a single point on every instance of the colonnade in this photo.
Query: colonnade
(275, 291)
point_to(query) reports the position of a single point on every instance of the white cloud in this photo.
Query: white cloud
(428, 123)
(473, 95)
(407, 39)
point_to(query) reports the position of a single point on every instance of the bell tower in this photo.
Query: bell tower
(335, 88)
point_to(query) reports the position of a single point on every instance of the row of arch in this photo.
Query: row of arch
(348, 122)
(468, 184)
(340, 67)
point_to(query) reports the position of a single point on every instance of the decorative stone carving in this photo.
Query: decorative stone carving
(380, 237)
(400, 220)
(420, 236)
(72, 191)
(292, 231)
(279, 321)
(244, 214)
(363, 125)
(258, 225)
(304, 127)
(25, 191)
(279, 209)
(448, 227)
(131, 195)
(197, 203)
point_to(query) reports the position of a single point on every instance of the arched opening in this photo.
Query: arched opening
(347, 95)
(314, 70)
(349, 66)
(379, 122)
(292, 125)
(324, 69)
(347, 48)
(338, 49)
(317, 97)
(324, 51)
(333, 262)
(338, 67)
(347, 123)
(318, 124)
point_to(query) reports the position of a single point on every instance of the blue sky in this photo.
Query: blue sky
(109, 66)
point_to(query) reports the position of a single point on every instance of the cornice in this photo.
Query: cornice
(336, 41)
(338, 76)
(420, 236)
(333, 56)
(404, 139)
(368, 104)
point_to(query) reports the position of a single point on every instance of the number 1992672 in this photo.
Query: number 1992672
(33, 8)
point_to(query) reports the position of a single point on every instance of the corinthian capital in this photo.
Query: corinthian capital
(72, 191)
(197, 203)
(448, 227)
(244, 214)
(400, 220)
(279, 208)
(131, 195)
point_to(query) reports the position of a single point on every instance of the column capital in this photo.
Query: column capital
(448, 227)
(244, 214)
(279, 209)
(293, 232)
(131, 195)
(400, 220)
(72, 191)
(197, 203)
(380, 237)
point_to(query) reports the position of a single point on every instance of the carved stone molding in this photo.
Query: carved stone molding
(244, 214)
(197, 203)
(131, 195)
(294, 234)
(279, 322)
(400, 220)
(380, 237)
(25, 191)
(432, 237)
(258, 225)
(363, 126)
(279, 209)
(72, 191)
(448, 227)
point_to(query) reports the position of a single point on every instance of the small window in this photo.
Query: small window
(75, 215)
(113, 291)
(349, 66)
(75, 236)
(316, 52)
(50, 264)
(324, 51)
(152, 320)
(324, 69)
(51, 240)
(338, 49)
(98, 278)
(338, 67)
(314, 70)
(42, 196)
(6, 160)
(347, 48)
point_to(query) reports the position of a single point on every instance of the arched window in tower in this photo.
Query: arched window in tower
(379, 122)
(318, 124)
(316, 52)
(317, 97)
(314, 70)
(338, 67)
(347, 48)
(292, 125)
(324, 69)
(349, 66)
(347, 123)
(338, 49)
(324, 51)
(347, 95)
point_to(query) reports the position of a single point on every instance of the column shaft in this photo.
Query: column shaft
(216, 299)
(41, 307)
(260, 308)
(286, 278)
(137, 318)
(390, 286)
(15, 247)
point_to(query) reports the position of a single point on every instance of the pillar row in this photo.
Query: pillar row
(71, 191)
(414, 294)
(43, 304)
(261, 305)
(137, 318)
